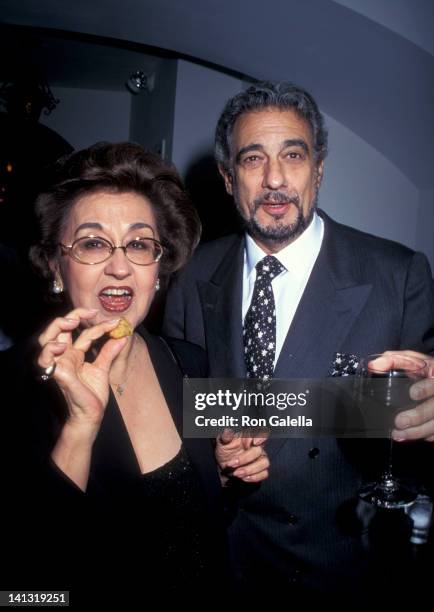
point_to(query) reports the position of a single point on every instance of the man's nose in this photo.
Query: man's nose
(118, 264)
(274, 175)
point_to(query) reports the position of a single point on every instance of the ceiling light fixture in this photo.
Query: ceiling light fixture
(139, 81)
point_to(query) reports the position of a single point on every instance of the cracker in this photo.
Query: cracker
(122, 329)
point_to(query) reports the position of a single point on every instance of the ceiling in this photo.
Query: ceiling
(369, 63)
(411, 19)
(70, 61)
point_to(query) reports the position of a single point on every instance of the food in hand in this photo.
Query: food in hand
(122, 329)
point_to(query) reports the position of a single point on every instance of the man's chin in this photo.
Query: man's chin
(270, 237)
(276, 233)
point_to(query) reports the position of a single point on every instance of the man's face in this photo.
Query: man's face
(274, 178)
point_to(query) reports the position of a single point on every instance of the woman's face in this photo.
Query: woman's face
(116, 287)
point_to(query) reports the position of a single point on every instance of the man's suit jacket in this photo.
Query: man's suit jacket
(365, 295)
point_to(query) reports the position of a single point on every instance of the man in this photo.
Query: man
(284, 300)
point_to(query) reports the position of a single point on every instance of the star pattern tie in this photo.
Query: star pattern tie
(259, 333)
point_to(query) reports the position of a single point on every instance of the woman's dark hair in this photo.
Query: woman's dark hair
(120, 168)
(262, 96)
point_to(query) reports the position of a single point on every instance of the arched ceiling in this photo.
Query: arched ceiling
(374, 77)
(411, 19)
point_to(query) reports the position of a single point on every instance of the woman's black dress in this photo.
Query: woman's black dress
(131, 532)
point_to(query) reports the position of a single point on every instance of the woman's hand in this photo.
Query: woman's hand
(241, 457)
(84, 385)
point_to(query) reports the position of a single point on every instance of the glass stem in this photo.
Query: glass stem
(387, 480)
(390, 457)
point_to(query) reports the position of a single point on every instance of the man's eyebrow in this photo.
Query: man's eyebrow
(296, 142)
(250, 147)
(291, 142)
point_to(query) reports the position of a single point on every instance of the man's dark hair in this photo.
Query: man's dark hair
(117, 168)
(264, 95)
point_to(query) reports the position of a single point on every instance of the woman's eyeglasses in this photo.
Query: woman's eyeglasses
(92, 250)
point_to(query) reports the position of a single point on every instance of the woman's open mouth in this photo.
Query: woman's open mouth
(116, 299)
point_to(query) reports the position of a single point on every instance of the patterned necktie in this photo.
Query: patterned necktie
(259, 331)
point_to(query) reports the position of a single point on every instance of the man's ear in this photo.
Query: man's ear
(228, 179)
(319, 174)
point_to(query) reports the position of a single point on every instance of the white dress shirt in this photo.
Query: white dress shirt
(298, 258)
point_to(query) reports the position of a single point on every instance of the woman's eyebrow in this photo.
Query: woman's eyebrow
(140, 225)
(89, 225)
(93, 225)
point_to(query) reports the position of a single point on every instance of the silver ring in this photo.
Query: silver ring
(48, 372)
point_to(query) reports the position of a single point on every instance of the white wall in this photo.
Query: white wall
(86, 116)
(412, 19)
(152, 113)
(364, 189)
(201, 94)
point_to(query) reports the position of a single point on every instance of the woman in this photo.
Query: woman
(105, 434)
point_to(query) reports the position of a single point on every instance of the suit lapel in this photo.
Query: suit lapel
(328, 309)
(221, 300)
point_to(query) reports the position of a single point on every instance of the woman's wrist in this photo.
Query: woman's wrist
(73, 451)
(79, 433)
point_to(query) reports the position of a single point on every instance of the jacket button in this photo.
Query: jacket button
(314, 452)
(292, 519)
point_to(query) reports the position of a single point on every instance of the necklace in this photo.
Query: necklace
(119, 388)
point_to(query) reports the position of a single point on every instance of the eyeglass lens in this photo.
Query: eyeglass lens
(96, 250)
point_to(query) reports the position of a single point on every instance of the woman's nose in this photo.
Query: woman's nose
(118, 264)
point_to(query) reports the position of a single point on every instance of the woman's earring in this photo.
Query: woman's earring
(157, 285)
(57, 286)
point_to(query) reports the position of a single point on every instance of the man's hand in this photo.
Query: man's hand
(241, 457)
(418, 422)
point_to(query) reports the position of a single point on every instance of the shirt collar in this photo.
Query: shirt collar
(298, 257)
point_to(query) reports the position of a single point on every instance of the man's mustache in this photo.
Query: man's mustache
(276, 197)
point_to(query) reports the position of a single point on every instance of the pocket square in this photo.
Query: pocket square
(344, 364)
